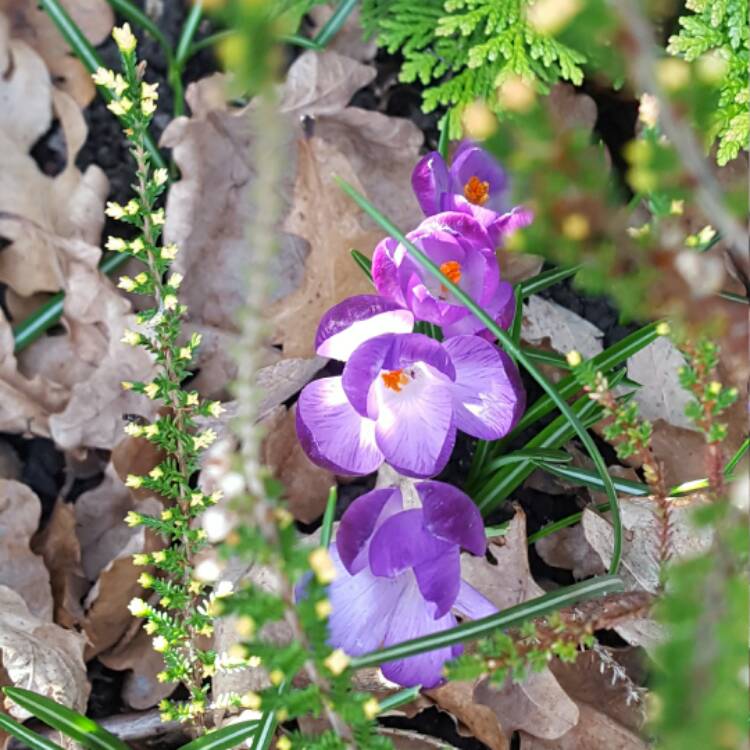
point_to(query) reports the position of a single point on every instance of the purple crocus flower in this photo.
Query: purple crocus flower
(474, 183)
(399, 575)
(401, 396)
(460, 246)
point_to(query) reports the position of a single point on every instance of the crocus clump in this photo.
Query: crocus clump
(399, 575)
(474, 183)
(401, 396)
(460, 246)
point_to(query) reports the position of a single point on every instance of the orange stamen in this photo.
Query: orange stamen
(395, 380)
(451, 269)
(477, 191)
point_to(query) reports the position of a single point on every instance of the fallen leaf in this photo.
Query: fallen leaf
(209, 209)
(40, 656)
(59, 547)
(404, 739)
(545, 321)
(660, 396)
(350, 38)
(283, 379)
(567, 548)
(20, 569)
(538, 704)
(306, 486)
(10, 463)
(640, 564)
(481, 722)
(31, 24)
(136, 657)
(517, 267)
(106, 606)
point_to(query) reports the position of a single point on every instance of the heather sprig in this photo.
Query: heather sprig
(179, 609)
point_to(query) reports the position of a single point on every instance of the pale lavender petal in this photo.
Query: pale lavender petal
(388, 353)
(429, 180)
(452, 515)
(504, 224)
(332, 434)
(355, 320)
(402, 542)
(413, 618)
(470, 603)
(501, 307)
(414, 427)
(385, 271)
(439, 580)
(358, 523)
(488, 396)
(362, 607)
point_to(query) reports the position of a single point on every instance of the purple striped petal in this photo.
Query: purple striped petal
(488, 398)
(501, 307)
(362, 607)
(358, 523)
(385, 271)
(402, 542)
(439, 580)
(413, 618)
(332, 434)
(355, 320)
(500, 226)
(472, 161)
(470, 603)
(429, 181)
(451, 515)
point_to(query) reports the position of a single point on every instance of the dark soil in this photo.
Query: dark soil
(44, 464)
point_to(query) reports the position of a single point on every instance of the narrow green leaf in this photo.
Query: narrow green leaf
(508, 618)
(547, 279)
(30, 329)
(732, 297)
(335, 22)
(87, 55)
(363, 262)
(589, 478)
(265, 731)
(72, 724)
(29, 738)
(224, 738)
(326, 527)
(513, 350)
(399, 699)
(499, 530)
(737, 457)
(187, 34)
(562, 524)
(547, 358)
(541, 456)
(515, 326)
(444, 140)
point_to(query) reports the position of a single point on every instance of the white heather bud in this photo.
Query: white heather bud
(160, 644)
(124, 38)
(322, 565)
(170, 302)
(337, 661)
(574, 358)
(116, 244)
(215, 409)
(114, 210)
(174, 280)
(149, 92)
(132, 338)
(232, 484)
(120, 107)
(217, 524)
(103, 77)
(138, 608)
(169, 252)
(161, 176)
(208, 570)
(223, 589)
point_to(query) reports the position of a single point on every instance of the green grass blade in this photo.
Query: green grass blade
(187, 34)
(547, 358)
(737, 457)
(224, 738)
(547, 279)
(508, 618)
(732, 297)
(513, 350)
(515, 326)
(399, 699)
(134, 14)
(326, 527)
(444, 140)
(79, 728)
(363, 262)
(563, 523)
(24, 734)
(588, 478)
(335, 22)
(87, 55)
(265, 731)
(542, 456)
(48, 315)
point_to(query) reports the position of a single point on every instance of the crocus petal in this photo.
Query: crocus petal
(402, 542)
(390, 352)
(501, 226)
(362, 606)
(501, 306)
(355, 320)
(439, 580)
(332, 434)
(470, 603)
(414, 427)
(451, 515)
(358, 523)
(428, 180)
(385, 271)
(488, 396)
(413, 618)
(472, 161)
